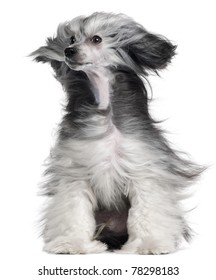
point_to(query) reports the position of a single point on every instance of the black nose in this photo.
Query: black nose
(69, 52)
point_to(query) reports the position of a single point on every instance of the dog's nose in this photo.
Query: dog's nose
(69, 52)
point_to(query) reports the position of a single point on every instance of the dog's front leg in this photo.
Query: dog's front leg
(154, 221)
(70, 223)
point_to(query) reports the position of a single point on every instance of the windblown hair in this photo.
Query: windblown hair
(110, 156)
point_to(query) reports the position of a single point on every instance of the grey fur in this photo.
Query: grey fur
(139, 151)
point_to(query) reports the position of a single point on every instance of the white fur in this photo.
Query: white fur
(108, 168)
(104, 154)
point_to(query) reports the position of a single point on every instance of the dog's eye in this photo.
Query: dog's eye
(96, 39)
(72, 40)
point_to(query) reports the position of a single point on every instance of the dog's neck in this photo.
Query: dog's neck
(101, 85)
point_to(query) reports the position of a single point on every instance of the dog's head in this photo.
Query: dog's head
(106, 40)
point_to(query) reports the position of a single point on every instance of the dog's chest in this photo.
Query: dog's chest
(106, 159)
(101, 162)
(103, 157)
(107, 166)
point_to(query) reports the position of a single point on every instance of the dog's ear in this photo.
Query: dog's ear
(151, 52)
(52, 52)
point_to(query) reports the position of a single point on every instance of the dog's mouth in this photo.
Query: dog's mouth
(74, 65)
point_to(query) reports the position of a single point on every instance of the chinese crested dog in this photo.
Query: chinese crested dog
(113, 181)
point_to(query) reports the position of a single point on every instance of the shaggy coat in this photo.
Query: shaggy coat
(113, 181)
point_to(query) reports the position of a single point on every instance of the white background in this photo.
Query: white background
(30, 110)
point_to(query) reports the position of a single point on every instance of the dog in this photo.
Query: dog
(113, 181)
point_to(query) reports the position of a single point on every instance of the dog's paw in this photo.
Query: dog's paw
(147, 246)
(74, 247)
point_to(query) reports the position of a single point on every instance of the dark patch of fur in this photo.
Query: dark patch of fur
(152, 52)
(114, 226)
(113, 240)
